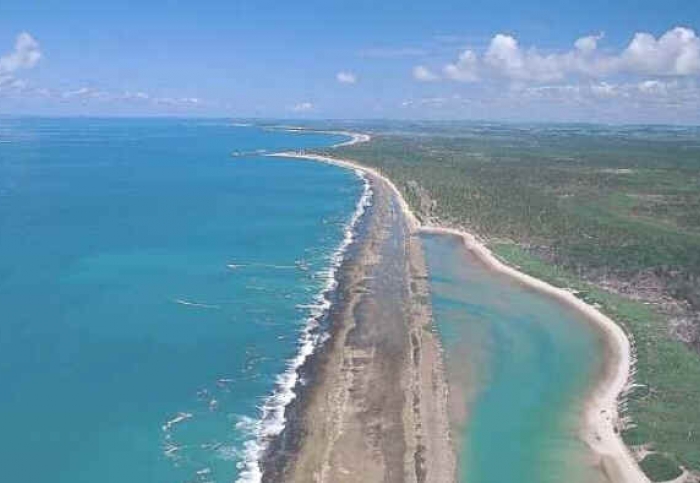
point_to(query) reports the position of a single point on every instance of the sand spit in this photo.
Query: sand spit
(601, 424)
(376, 407)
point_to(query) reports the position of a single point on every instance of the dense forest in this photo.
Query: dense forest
(618, 207)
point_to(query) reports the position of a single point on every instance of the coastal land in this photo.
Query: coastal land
(608, 214)
(376, 410)
(374, 405)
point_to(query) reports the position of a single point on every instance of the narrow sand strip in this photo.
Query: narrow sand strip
(602, 420)
(376, 410)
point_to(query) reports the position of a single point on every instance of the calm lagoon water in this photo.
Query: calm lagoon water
(152, 288)
(519, 365)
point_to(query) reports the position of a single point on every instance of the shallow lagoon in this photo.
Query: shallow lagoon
(519, 365)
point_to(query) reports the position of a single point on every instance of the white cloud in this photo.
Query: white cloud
(128, 95)
(43, 92)
(648, 100)
(656, 87)
(504, 55)
(423, 74)
(438, 102)
(506, 58)
(25, 55)
(465, 69)
(346, 77)
(604, 90)
(90, 94)
(674, 54)
(651, 92)
(173, 101)
(588, 44)
(84, 93)
(9, 83)
(303, 107)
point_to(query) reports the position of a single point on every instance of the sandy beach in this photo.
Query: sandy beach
(375, 408)
(601, 422)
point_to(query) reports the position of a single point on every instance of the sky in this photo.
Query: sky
(621, 61)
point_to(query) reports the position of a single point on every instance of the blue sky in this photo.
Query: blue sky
(612, 61)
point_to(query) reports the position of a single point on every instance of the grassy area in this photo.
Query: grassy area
(660, 468)
(570, 205)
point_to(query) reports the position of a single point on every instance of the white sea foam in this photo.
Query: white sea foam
(171, 450)
(272, 418)
(177, 419)
(234, 266)
(196, 304)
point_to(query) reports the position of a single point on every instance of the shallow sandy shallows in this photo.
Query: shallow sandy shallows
(599, 428)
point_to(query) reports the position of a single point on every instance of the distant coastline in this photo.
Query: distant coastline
(600, 424)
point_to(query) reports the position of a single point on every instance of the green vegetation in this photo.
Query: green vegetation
(660, 468)
(620, 205)
(581, 207)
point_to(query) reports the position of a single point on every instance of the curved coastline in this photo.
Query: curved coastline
(273, 411)
(601, 421)
(369, 375)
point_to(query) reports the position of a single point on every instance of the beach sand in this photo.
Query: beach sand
(376, 406)
(384, 361)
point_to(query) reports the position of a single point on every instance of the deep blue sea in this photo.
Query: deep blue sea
(153, 288)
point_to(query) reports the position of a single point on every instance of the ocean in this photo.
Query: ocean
(156, 293)
(519, 365)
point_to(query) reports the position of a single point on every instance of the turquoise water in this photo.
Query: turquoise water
(519, 364)
(152, 289)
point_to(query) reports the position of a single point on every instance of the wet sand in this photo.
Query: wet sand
(374, 407)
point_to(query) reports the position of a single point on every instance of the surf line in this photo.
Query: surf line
(272, 412)
(196, 304)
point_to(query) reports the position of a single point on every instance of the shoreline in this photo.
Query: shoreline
(601, 415)
(601, 419)
(282, 448)
(376, 397)
(274, 417)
